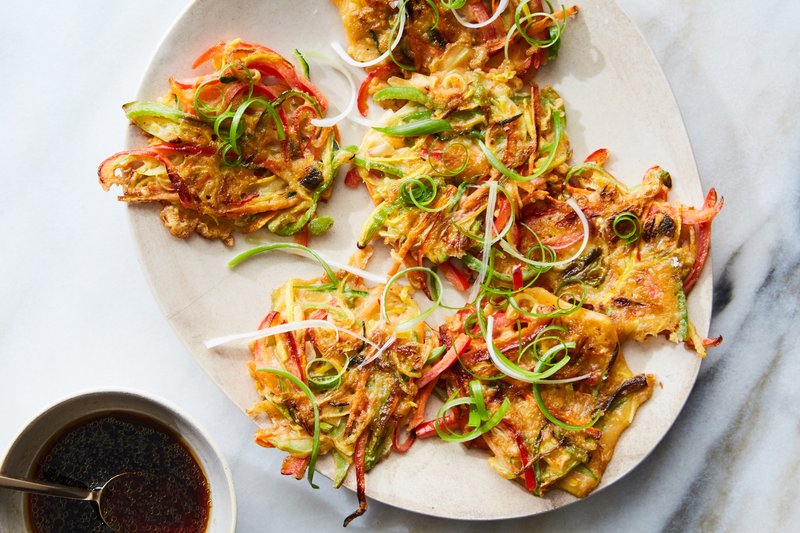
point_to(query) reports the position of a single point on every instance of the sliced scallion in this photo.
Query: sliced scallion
(412, 94)
(479, 418)
(415, 129)
(627, 227)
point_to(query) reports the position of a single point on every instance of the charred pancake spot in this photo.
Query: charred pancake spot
(625, 302)
(312, 180)
(667, 226)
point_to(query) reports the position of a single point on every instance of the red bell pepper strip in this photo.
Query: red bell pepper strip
(598, 157)
(705, 214)
(707, 343)
(267, 322)
(274, 316)
(493, 42)
(461, 343)
(404, 446)
(422, 400)
(503, 213)
(287, 73)
(358, 459)
(456, 277)
(703, 244)
(297, 357)
(295, 466)
(428, 428)
(107, 167)
(267, 62)
(381, 72)
(528, 473)
(516, 276)
(352, 179)
(208, 54)
(183, 148)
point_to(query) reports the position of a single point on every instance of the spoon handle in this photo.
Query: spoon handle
(46, 489)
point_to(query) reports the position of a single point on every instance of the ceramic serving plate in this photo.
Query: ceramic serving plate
(616, 98)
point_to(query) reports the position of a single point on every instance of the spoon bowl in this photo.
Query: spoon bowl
(21, 512)
(129, 502)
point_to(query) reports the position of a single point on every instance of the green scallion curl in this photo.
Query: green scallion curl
(436, 293)
(450, 171)
(489, 422)
(325, 380)
(632, 222)
(244, 256)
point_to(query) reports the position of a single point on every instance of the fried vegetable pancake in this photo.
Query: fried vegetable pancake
(425, 183)
(559, 430)
(231, 151)
(643, 253)
(362, 388)
(436, 36)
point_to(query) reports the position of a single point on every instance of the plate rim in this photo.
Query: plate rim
(134, 212)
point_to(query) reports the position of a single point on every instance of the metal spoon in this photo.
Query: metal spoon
(113, 498)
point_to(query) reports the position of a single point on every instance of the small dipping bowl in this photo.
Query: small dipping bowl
(21, 457)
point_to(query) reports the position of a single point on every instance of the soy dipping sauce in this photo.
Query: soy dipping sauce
(94, 449)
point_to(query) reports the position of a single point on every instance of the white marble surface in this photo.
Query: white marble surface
(76, 312)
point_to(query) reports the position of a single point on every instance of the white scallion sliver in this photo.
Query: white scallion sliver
(501, 7)
(529, 377)
(505, 369)
(284, 328)
(375, 278)
(565, 380)
(380, 351)
(351, 102)
(487, 240)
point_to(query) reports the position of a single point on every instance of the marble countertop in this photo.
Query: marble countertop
(77, 314)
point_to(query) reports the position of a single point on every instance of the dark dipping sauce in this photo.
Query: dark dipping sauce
(91, 451)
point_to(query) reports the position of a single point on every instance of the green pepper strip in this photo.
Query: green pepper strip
(414, 129)
(375, 221)
(152, 109)
(303, 63)
(312, 462)
(377, 165)
(412, 94)
(453, 4)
